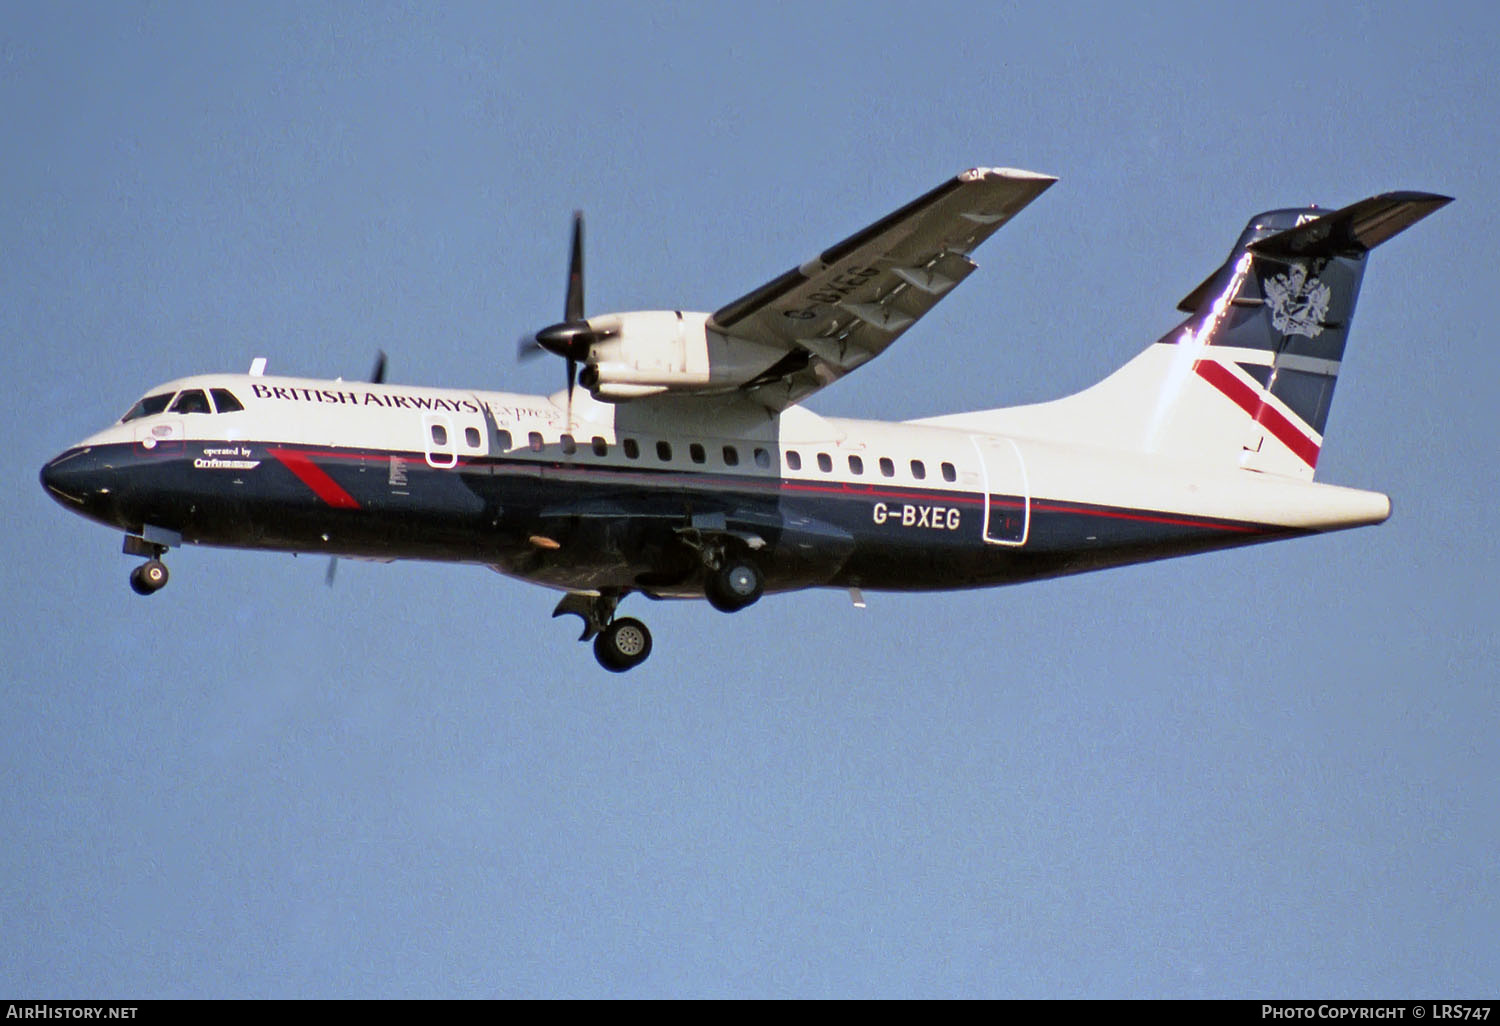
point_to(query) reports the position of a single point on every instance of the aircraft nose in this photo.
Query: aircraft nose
(73, 477)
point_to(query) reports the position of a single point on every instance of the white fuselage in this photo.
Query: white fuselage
(877, 488)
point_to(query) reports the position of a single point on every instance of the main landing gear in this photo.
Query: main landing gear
(151, 576)
(621, 643)
(731, 578)
(734, 584)
(624, 644)
(731, 581)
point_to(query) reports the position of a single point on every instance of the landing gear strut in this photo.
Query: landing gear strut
(620, 643)
(151, 576)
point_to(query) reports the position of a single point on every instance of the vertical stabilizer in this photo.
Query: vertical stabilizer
(1270, 326)
(1248, 378)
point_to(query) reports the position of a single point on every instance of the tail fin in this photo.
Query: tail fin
(1248, 378)
(1272, 322)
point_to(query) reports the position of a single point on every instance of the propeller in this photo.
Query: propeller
(377, 377)
(572, 337)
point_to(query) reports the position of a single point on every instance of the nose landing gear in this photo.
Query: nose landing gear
(151, 576)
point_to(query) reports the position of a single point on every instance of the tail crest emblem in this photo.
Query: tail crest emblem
(1299, 303)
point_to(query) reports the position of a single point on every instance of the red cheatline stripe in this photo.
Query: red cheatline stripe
(316, 478)
(1264, 414)
(1149, 518)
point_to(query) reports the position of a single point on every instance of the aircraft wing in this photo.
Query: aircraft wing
(845, 306)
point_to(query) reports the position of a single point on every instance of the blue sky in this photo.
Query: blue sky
(1267, 772)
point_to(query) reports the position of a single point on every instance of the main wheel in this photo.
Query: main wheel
(149, 578)
(734, 585)
(624, 644)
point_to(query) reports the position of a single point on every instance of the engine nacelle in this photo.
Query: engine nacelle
(651, 352)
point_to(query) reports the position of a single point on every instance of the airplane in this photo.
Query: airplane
(680, 462)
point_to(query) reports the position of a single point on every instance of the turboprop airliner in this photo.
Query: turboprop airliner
(680, 461)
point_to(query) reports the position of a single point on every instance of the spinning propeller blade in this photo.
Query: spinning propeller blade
(572, 337)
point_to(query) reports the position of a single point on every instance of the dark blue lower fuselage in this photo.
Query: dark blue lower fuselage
(579, 524)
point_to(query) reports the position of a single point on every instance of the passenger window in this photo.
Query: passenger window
(224, 400)
(695, 451)
(663, 451)
(535, 438)
(887, 468)
(949, 473)
(825, 463)
(504, 438)
(762, 458)
(917, 470)
(856, 465)
(632, 451)
(731, 456)
(471, 437)
(601, 447)
(191, 401)
(148, 407)
(569, 447)
(439, 435)
(793, 460)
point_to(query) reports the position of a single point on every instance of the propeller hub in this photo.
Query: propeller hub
(570, 339)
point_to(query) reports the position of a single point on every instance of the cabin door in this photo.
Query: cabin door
(1007, 495)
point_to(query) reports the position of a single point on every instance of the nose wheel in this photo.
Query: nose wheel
(149, 578)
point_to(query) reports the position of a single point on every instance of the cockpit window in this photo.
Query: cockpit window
(224, 401)
(152, 404)
(191, 401)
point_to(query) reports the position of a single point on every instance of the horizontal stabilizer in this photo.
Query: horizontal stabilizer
(1350, 231)
(1357, 228)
